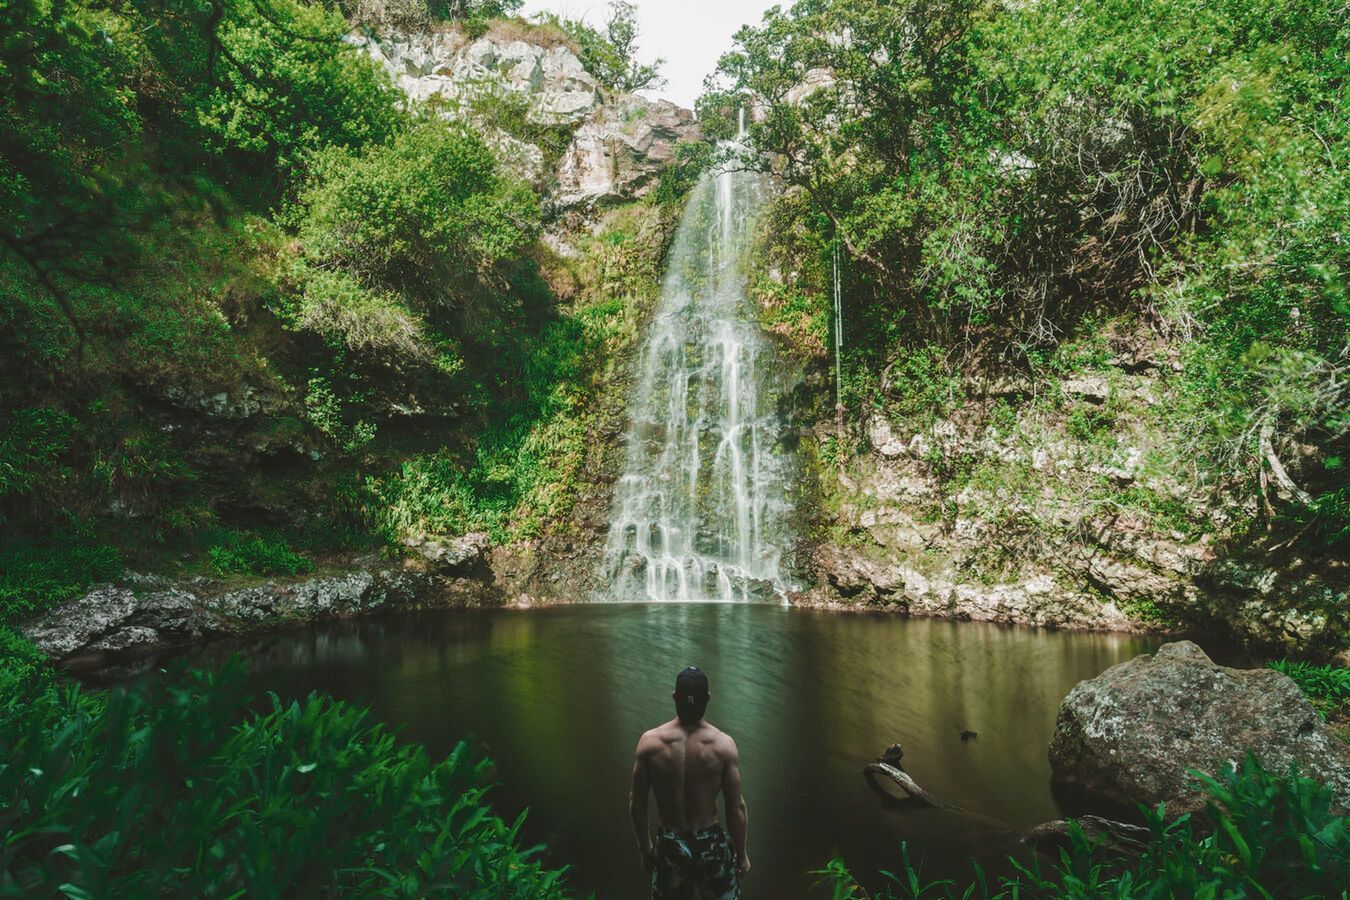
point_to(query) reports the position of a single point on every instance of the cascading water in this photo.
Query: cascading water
(700, 511)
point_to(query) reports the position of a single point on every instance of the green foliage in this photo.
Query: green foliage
(498, 106)
(677, 179)
(1004, 176)
(1273, 836)
(527, 465)
(36, 576)
(610, 53)
(289, 86)
(1328, 516)
(921, 382)
(30, 444)
(20, 664)
(182, 787)
(473, 10)
(1328, 687)
(1089, 422)
(253, 553)
(526, 461)
(403, 244)
(325, 412)
(140, 144)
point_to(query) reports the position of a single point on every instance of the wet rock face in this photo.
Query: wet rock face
(888, 582)
(1131, 734)
(1058, 529)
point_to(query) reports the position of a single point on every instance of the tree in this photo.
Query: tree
(611, 55)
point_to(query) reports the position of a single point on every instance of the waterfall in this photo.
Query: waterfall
(699, 513)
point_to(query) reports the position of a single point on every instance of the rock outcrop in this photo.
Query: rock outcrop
(450, 68)
(1058, 514)
(619, 152)
(619, 142)
(1132, 734)
(878, 580)
(461, 555)
(143, 615)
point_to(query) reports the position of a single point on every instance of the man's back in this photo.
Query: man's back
(685, 767)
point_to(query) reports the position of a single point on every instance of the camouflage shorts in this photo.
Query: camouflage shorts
(693, 864)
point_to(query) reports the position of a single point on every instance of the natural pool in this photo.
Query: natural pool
(559, 696)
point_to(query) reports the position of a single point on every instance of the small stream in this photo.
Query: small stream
(559, 696)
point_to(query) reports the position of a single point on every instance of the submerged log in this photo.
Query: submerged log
(1053, 836)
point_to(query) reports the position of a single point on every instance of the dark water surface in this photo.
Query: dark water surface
(559, 696)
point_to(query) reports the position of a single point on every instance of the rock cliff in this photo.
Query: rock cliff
(583, 146)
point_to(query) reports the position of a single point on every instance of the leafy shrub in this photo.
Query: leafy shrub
(497, 105)
(1273, 836)
(20, 664)
(35, 577)
(254, 553)
(921, 381)
(325, 411)
(401, 245)
(678, 177)
(179, 787)
(473, 10)
(1328, 687)
(1328, 516)
(290, 87)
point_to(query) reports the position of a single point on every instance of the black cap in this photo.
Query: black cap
(692, 682)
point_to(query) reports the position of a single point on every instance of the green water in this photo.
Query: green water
(559, 696)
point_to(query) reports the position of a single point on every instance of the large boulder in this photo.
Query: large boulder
(1132, 734)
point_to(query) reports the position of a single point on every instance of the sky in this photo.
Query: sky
(689, 34)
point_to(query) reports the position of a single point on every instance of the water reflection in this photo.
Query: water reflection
(559, 696)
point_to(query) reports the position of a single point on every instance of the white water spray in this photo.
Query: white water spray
(699, 513)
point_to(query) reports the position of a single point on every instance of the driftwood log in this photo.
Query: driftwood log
(888, 778)
(896, 784)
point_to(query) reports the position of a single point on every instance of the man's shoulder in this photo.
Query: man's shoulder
(654, 738)
(720, 740)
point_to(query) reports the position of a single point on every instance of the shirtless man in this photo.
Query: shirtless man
(687, 763)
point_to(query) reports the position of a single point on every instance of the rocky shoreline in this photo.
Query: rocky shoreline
(142, 615)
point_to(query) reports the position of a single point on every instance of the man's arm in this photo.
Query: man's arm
(637, 805)
(738, 816)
